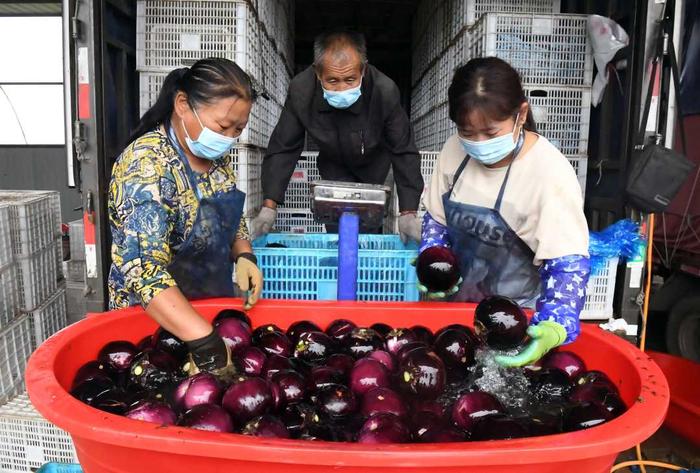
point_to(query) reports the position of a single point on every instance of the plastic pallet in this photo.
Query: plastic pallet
(547, 50)
(28, 441)
(298, 194)
(600, 293)
(308, 268)
(38, 276)
(5, 237)
(49, 318)
(33, 223)
(76, 231)
(9, 293)
(263, 116)
(16, 341)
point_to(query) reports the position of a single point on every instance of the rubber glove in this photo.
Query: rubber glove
(212, 355)
(249, 278)
(440, 294)
(544, 336)
(409, 227)
(262, 224)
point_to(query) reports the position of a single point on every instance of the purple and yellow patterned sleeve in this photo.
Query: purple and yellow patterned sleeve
(433, 233)
(564, 283)
(143, 218)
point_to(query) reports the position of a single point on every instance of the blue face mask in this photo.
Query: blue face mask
(343, 99)
(210, 144)
(491, 151)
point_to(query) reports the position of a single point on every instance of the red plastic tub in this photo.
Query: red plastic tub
(684, 381)
(107, 443)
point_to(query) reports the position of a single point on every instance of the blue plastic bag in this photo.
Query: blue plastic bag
(619, 240)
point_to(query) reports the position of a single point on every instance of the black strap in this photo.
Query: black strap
(647, 103)
(674, 76)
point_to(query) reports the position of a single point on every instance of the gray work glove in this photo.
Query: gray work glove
(262, 224)
(409, 227)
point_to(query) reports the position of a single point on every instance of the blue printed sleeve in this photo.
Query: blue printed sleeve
(564, 283)
(433, 233)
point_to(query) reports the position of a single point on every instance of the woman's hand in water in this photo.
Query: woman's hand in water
(210, 354)
(544, 336)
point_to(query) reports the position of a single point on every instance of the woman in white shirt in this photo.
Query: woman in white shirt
(509, 205)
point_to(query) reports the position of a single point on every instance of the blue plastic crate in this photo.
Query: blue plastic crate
(308, 268)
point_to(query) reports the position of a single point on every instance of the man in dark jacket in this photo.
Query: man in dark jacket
(353, 113)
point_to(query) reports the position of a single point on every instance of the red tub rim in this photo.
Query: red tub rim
(609, 438)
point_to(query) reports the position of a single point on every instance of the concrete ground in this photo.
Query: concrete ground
(667, 447)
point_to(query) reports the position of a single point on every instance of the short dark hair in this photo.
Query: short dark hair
(335, 41)
(488, 84)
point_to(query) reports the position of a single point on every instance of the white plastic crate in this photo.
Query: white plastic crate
(247, 162)
(16, 341)
(466, 12)
(54, 198)
(49, 318)
(76, 302)
(298, 194)
(562, 115)
(580, 165)
(177, 33)
(547, 50)
(460, 51)
(5, 238)
(275, 15)
(76, 232)
(27, 440)
(38, 277)
(263, 116)
(9, 293)
(600, 293)
(297, 221)
(33, 223)
(74, 271)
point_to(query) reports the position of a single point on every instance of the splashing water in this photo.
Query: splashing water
(508, 385)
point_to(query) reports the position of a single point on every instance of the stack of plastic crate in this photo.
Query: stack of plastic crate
(552, 53)
(176, 33)
(32, 306)
(27, 440)
(256, 34)
(74, 268)
(428, 159)
(295, 215)
(74, 271)
(441, 39)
